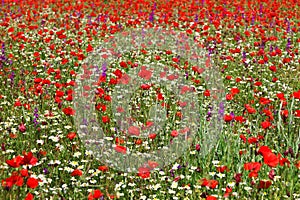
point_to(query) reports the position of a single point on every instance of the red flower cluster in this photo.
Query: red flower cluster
(69, 111)
(96, 194)
(144, 172)
(212, 184)
(271, 159)
(17, 178)
(26, 159)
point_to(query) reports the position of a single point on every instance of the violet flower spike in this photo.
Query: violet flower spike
(288, 27)
(36, 116)
(221, 111)
(244, 55)
(252, 20)
(196, 18)
(104, 69)
(12, 77)
(151, 17)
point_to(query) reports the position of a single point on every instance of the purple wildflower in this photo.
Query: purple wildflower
(12, 77)
(151, 17)
(104, 69)
(288, 45)
(36, 116)
(260, 9)
(196, 18)
(288, 27)
(46, 171)
(244, 55)
(232, 114)
(253, 20)
(221, 111)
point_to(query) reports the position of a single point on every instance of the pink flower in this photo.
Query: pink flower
(22, 128)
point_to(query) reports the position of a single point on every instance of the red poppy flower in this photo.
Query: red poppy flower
(14, 179)
(105, 119)
(15, 162)
(243, 137)
(17, 103)
(206, 93)
(284, 113)
(103, 168)
(118, 73)
(297, 113)
(123, 64)
(252, 140)
(145, 74)
(223, 168)
(253, 174)
(264, 101)
(96, 194)
(160, 96)
(24, 172)
(152, 136)
(264, 184)
(29, 196)
(252, 166)
(273, 68)
(133, 130)
(258, 83)
(265, 124)
(211, 198)
(298, 164)
(239, 119)
(22, 128)
(228, 118)
(227, 192)
(144, 172)
(168, 52)
(59, 93)
(174, 133)
(198, 69)
(121, 149)
(145, 86)
(271, 159)
(69, 111)
(296, 94)
(89, 48)
(76, 172)
(125, 79)
(37, 80)
(249, 109)
(212, 184)
(234, 91)
(229, 97)
(29, 159)
(119, 140)
(71, 135)
(152, 164)
(157, 57)
(149, 124)
(107, 98)
(263, 150)
(32, 182)
(238, 80)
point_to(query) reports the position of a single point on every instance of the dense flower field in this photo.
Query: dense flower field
(254, 47)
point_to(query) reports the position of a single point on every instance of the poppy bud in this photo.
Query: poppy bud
(22, 128)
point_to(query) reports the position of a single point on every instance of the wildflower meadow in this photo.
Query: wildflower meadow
(149, 100)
